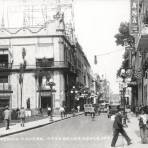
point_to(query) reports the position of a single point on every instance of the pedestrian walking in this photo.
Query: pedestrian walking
(7, 117)
(93, 112)
(62, 111)
(118, 128)
(142, 126)
(49, 112)
(22, 116)
(17, 113)
(137, 111)
(78, 108)
(40, 110)
(73, 111)
(99, 110)
(65, 111)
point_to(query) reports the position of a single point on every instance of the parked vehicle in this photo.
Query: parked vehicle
(104, 107)
(88, 109)
(112, 110)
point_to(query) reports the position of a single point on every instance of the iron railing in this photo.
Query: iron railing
(55, 64)
(5, 87)
(50, 65)
(5, 65)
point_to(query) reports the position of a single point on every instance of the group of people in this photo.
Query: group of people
(7, 116)
(62, 110)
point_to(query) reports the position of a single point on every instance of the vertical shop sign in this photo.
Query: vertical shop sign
(134, 17)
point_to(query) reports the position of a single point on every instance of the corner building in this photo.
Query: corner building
(49, 54)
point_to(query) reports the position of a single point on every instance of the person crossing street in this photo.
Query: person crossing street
(118, 128)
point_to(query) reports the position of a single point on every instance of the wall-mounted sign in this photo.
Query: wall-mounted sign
(134, 17)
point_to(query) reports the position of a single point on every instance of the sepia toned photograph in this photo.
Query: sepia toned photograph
(73, 73)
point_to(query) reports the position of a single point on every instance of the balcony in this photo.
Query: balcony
(52, 64)
(5, 88)
(5, 65)
(45, 90)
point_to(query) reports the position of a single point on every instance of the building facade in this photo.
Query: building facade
(139, 29)
(31, 57)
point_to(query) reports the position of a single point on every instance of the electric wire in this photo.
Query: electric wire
(107, 53)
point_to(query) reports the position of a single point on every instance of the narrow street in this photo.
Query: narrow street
(80, 132)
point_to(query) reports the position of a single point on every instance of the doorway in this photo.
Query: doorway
(4, 102)
(45, 102)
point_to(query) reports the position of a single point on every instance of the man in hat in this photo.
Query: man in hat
(7, 117)
(118, 128)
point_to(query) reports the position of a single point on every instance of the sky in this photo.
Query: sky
(96, 23)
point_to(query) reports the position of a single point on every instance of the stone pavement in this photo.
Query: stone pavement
(33, 124)
(132, 130)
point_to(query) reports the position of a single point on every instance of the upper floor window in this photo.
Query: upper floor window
(44, 62)
(4, 60)
(4, 79)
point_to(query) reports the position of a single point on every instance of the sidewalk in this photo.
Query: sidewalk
(31, 125)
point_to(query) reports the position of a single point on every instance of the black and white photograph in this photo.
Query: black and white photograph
(73, 73)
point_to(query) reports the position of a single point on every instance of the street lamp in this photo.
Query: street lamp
(51, 84)
(74, 92)
(86, 93)
(21, 72)
(123, 100)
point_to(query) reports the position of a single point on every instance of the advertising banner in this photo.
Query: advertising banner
(134, 17)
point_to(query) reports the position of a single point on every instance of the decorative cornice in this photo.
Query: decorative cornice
(17, 30)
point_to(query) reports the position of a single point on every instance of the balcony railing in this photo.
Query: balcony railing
(5, 65)
(5, 87)
(50, 65)
(55, 64)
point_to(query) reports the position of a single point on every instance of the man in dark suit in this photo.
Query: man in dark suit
(118, 128)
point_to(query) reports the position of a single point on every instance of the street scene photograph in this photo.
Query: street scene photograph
(73, 73)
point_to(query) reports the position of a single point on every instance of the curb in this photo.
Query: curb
(38, 126)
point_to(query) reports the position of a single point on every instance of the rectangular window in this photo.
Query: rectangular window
(4, 60)
(44, 62)
(4, 79)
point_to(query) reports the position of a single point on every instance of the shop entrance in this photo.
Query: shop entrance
(4, 102)
(45, 102)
